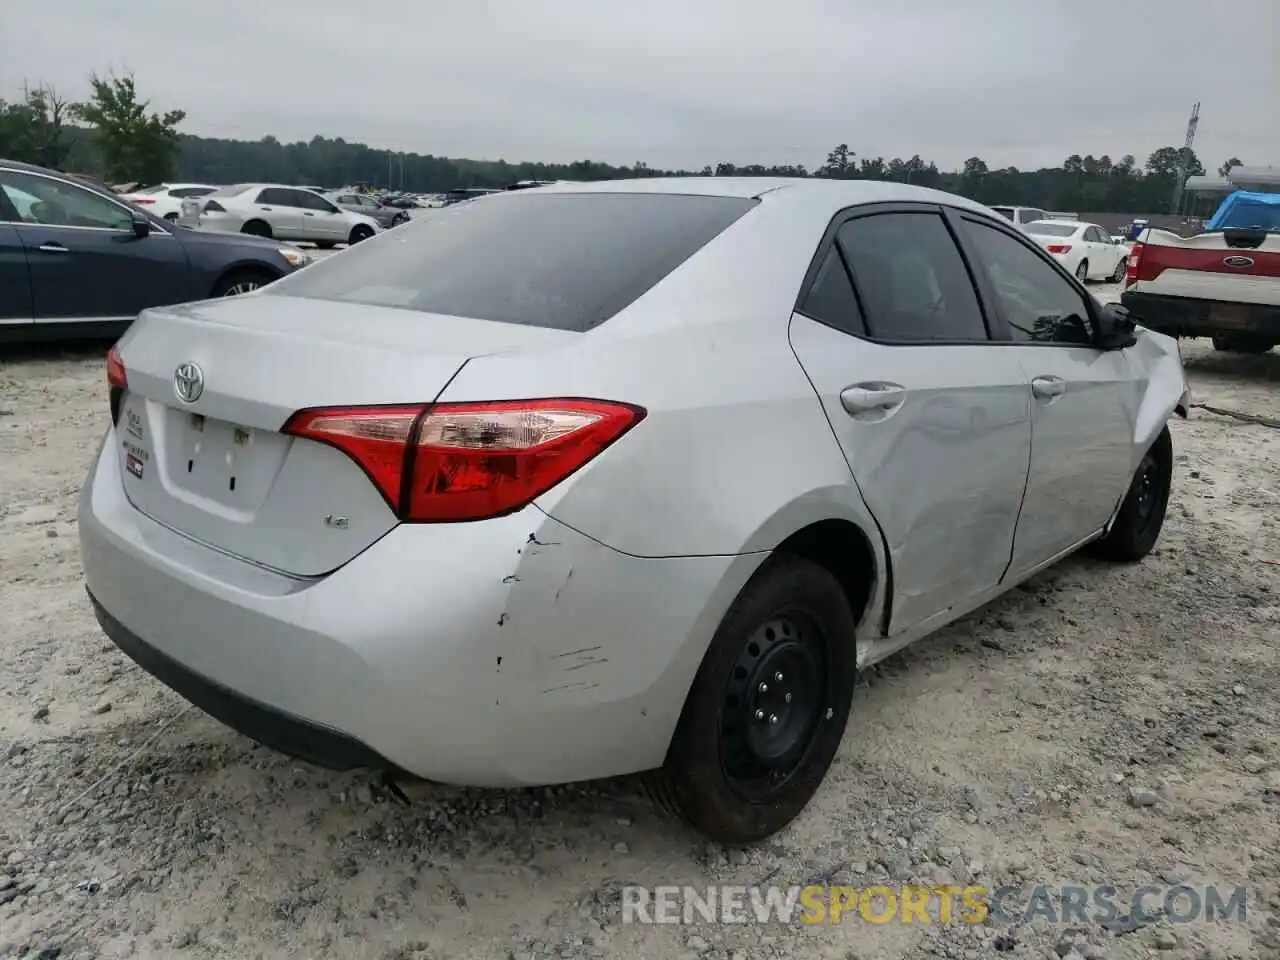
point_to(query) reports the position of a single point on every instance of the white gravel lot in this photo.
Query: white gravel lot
(1009, 747)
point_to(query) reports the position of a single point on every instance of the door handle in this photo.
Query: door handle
(869, 397)
(307, 213)
(268, 209)
(1046, 388)
(52, 248)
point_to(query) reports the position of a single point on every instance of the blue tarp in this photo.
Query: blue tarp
(1248, 210)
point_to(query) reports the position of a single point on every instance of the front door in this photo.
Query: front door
(1084, 401)
(280, 208)
(84, 259)
(933, 418)
(321, 220)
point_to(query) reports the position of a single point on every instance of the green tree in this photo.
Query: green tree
(34, 129)
(135, 145)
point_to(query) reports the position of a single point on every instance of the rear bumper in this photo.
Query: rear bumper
(510, 652)
(274, 728)
(1188, 317)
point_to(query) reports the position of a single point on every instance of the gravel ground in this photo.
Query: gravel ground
(1098, 725)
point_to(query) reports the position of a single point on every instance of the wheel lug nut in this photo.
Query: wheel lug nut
(764, 688)
(773, 718)
(777, 677)
(787, 698)
(759, 714)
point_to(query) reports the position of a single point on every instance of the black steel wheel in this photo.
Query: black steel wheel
(767, 710)
(1137, 525)
(772, 704)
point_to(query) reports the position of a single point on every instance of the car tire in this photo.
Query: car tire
(171, 217)
(257, 228)
(1137, 525)
(1117, 275)
(240, 282)
(358, 233)
(325, 244)
(768, 707)
(1242, 343)
(1082, 271)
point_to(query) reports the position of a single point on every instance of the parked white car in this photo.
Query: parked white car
(1021, 216)
(165, 199)
(279, 211)
(1084, 249)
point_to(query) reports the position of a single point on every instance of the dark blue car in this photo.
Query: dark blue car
(78, 261)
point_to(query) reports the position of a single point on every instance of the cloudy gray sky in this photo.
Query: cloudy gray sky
(685, 82)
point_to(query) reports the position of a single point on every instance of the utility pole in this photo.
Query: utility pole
(1183, 157)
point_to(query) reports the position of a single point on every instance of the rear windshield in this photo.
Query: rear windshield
(566, 261)
(232, 191)
(1006, 212)
(1051, 229)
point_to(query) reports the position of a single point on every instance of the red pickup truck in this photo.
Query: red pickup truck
(1223, 283)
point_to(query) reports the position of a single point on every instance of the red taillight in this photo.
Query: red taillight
(145, 201)
(117, 381)
(116, 375)
(214, 206)
(1059, 248)
(1131, 267)
(452, 462)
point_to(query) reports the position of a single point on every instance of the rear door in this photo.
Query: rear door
(933, 418)
(84, 260)
(1084, 401)
(15, 281)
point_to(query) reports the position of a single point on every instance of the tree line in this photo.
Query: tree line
(115, 136)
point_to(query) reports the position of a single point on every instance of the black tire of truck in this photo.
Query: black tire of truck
(1243, 342)
(1137, 526)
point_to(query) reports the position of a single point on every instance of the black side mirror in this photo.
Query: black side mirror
(1115, 328)
(141, 226)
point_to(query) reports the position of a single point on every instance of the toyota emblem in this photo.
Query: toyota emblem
(188, 382)
(1238, 261)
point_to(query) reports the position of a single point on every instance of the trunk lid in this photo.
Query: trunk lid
(213, 464)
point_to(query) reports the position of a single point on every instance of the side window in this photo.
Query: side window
(313, 201)
(1041, 304)
(831, 300)
(275, 195)
(53, 203)
(911, 279)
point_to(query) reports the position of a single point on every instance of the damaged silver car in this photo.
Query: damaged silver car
(500, 505)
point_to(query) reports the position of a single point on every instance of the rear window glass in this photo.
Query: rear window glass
(232, 191)
(1051, 229)
(1006, 212)
(566, 261)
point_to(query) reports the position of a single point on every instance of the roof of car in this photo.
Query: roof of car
(777, 189)
(1064, 223)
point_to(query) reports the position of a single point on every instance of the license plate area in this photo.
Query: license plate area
(215, 460)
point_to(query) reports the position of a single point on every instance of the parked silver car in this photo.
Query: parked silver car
(361, 203)
(278, 211)
(502, 505)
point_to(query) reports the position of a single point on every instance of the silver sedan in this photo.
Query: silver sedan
(497, 504)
